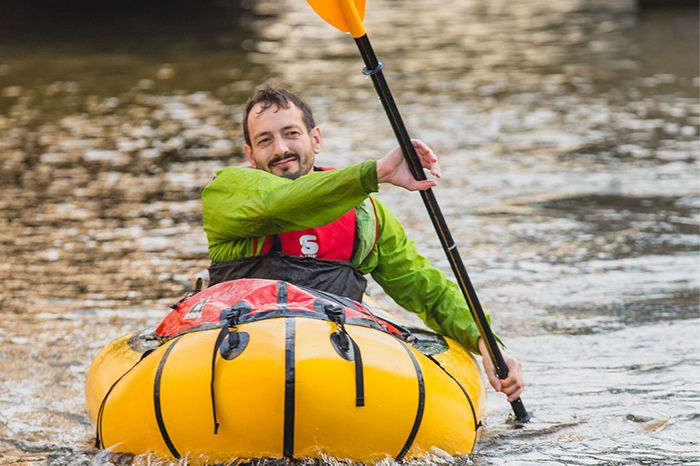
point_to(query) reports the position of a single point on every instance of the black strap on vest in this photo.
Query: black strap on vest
(337, 277)
(276, 244)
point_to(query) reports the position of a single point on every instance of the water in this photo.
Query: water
(568, 134)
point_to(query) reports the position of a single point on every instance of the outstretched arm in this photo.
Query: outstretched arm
(245, 203)
(415, 284)
(422, 288)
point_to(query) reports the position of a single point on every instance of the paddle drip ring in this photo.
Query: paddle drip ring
(377, 69)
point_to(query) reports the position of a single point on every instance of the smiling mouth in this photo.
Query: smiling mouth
(282, 161)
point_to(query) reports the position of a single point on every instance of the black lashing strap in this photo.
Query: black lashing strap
(99, 439)
(156, 401)
(228, 347)
(421, 403)
(289, 387)
(215, 353)
(282, 295)
(342, 341)
(477, 423)
(359, 375)
(289, 373)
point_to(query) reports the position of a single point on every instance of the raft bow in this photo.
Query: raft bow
(258, 368)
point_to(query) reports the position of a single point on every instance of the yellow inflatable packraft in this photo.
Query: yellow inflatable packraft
(258, 368)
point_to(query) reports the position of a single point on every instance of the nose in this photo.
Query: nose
(280, 146)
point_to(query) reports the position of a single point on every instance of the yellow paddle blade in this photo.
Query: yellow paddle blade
(346, 15)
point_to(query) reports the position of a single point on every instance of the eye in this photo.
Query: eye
(293, 133)
(263, 141)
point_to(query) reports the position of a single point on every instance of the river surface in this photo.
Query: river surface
(568, 136)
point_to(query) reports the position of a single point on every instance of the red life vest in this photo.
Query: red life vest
(319, 257)
(333, 241)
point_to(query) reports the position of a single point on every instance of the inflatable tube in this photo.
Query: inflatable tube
(256, 368)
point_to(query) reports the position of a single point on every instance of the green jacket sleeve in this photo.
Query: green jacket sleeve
(243, 203)
(416, 285)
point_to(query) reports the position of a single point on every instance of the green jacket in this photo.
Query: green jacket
(242, 206)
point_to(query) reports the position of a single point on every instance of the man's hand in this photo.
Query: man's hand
(512, 385)
(393, 168)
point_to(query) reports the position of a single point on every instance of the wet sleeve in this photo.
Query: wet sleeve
(244, 203)
(417, 286)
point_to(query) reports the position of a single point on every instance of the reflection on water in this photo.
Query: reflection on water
(569, 140)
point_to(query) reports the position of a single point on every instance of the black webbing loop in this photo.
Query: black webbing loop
(336, 313)
(217, 344)
(359, 375)
(230, 318)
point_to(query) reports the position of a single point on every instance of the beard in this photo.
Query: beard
(291, 173)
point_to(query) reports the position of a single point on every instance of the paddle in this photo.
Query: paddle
(347, 15)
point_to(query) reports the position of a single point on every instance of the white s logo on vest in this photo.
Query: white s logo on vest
(309, 246)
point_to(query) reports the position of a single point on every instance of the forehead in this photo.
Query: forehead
(273, 118)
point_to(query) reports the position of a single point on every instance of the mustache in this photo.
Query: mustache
(278, 158)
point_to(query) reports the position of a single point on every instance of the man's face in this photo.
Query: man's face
(280, 143)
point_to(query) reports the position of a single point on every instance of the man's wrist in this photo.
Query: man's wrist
(481, 346)
(381, 171)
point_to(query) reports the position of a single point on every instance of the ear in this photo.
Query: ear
(248, 152)
(316, 139)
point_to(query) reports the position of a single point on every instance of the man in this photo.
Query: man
(289, 220)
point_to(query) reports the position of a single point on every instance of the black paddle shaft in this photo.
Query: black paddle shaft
(373, 68)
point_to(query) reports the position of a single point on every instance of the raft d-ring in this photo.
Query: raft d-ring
(342, 345)
(234, 345)
(377, 69)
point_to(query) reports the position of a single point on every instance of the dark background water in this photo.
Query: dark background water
(568, 135)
